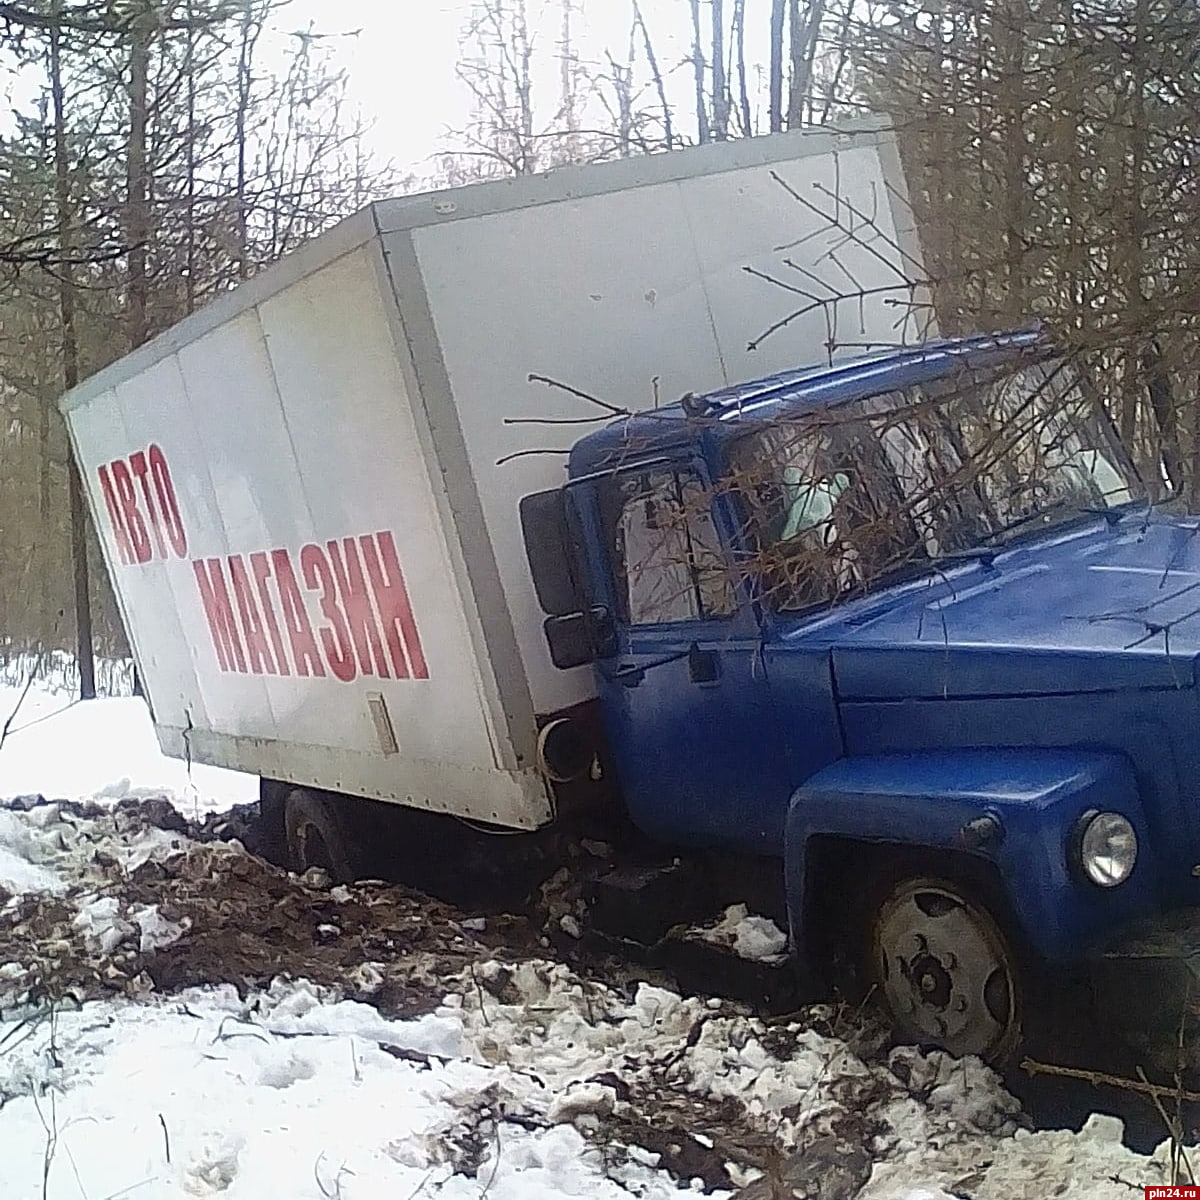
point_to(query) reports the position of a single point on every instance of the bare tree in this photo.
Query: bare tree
(65, 215)
(1049, 153)
(656, 75)
(699, 70)
(739, 39)
(610, 107)
(497, 70)
(720, 84)
(142, 27)
(778, 16)
(248, 33)
(805, 36)
(568, 73)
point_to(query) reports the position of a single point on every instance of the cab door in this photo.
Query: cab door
(685, 693)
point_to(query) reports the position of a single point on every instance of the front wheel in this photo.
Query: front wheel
(945, 972)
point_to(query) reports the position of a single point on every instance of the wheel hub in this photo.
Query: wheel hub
(930, 979)
(944, 970)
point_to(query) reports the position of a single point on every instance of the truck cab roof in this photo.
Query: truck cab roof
(655, 432)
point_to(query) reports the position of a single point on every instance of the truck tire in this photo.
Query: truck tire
(944, 970)
(317, 836)
(271, 842)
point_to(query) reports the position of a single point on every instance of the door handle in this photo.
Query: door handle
(704, 666)
(629, 675)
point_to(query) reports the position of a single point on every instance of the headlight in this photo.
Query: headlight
(1107, 848)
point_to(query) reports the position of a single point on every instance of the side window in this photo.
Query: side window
(663, 546)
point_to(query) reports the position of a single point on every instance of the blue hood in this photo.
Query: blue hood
(1096, 608)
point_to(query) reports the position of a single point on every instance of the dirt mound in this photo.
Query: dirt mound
(250, 921)
(144, 907)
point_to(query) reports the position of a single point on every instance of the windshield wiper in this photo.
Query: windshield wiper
(981, 554)
(1112, 516)
(998, 540)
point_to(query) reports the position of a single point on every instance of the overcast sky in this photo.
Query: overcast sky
(402, 66)
(401, 61)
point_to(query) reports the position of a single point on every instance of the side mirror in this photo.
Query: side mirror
(576, 639)
(550, 552)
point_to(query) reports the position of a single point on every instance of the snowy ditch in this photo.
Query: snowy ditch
(179, 1019)
(518, 1078)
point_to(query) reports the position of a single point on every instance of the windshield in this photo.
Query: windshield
(842, 499)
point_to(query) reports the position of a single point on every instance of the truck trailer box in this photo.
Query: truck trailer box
(307, 494)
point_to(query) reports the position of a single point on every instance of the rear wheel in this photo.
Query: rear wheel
(317, 836)
(270, 842)
(945, 971)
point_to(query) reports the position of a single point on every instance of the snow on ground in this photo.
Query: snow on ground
(180, 1019)
(529, 1093)
(21, 858)
(104, 750)
(301, 1095)
(754, 938)
(428, 1058)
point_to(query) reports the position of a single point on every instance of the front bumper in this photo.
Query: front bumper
(1146, 984)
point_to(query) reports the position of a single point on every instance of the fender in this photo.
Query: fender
(924, 800)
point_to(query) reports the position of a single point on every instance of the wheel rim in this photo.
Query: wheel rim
(945, 971)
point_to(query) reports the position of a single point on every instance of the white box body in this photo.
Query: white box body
(306, 495)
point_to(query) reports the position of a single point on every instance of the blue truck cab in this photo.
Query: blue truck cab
(910, 625)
